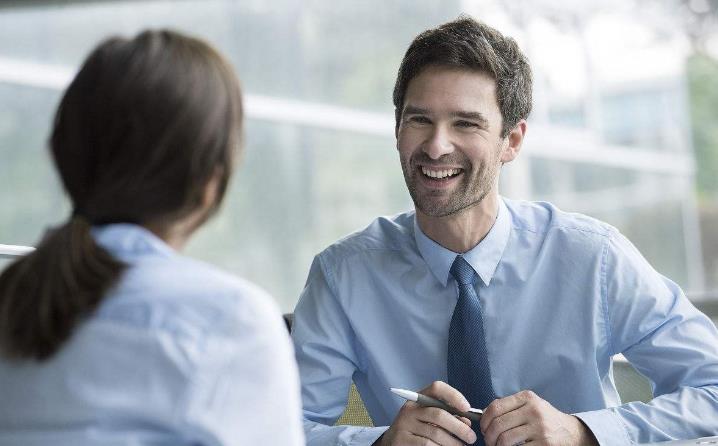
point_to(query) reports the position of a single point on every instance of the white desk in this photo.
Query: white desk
(699, 441)
(12, 251)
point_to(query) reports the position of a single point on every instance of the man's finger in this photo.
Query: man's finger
(502, 406)
(437, 435)
(516, 436)
(417, 440)
(448, 423)
(466, 421)
(444, 392)
(505, 423)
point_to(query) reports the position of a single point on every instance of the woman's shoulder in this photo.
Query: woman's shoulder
(181, 293)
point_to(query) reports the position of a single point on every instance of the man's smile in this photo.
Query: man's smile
(439, 176)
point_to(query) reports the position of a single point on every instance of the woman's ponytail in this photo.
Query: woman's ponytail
(140, 132)
(44, 295)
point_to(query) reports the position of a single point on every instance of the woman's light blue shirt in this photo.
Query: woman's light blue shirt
(178, 353)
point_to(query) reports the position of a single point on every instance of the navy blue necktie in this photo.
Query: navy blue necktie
(468, 363)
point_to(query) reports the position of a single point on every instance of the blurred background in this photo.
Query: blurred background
(624, 128)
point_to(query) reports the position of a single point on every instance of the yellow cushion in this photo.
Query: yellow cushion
(355, 413)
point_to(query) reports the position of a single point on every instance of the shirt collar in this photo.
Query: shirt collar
(484, 257)
(125, 239)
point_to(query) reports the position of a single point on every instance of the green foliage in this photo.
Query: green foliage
(703, 85)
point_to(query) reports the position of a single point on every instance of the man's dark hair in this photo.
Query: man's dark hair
(467, 43)
(141, 131)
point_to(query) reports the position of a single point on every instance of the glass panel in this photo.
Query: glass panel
(30, 194)
(646, 207)
(298, 190)
(337, 52)
(301, 186)
(4, 263)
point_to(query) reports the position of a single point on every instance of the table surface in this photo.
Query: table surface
(698, 441)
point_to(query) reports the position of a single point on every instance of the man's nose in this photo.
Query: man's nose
(439, 143)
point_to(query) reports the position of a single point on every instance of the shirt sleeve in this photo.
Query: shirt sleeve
(667, 340)
(325, 350)
(244, 389)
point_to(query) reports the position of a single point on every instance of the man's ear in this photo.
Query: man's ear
(515, 139)
(397, 122)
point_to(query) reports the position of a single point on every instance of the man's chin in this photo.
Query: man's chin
(436, 210)
(439, 208)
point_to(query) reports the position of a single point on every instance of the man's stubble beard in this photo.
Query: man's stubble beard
(470, 192)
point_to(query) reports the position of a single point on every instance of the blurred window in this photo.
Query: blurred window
(320, 157)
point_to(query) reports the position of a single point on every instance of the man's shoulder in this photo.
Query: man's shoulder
(543, 218)
(387, 233)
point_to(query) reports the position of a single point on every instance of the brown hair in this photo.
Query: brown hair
(467, 43)
(139, 133)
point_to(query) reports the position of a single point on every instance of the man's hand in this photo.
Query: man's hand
(430, 426)
(524, 417)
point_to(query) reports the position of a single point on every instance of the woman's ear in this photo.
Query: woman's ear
(211, 189)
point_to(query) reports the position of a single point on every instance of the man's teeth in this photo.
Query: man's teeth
(439, 173)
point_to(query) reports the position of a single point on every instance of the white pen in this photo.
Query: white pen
(427, 401)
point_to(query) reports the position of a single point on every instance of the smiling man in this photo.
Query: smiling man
(509, 306)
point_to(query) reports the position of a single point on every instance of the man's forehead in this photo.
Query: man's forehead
(437, 70)
(458, 90)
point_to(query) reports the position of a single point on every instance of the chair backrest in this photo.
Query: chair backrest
(631, 386)
(355, 413)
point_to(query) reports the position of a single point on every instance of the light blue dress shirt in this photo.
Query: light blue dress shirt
(561, 294)
(178, 353)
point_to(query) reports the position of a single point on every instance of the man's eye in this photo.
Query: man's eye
(466, 124)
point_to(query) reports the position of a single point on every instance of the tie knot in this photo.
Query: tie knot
(462, 271)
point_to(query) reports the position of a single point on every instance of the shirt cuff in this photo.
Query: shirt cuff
(367, 437)
(606, 426)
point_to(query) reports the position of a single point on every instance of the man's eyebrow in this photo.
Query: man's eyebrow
(411, 110)
(474, 116)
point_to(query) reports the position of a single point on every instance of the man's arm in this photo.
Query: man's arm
(324, 347)
(666, 339)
